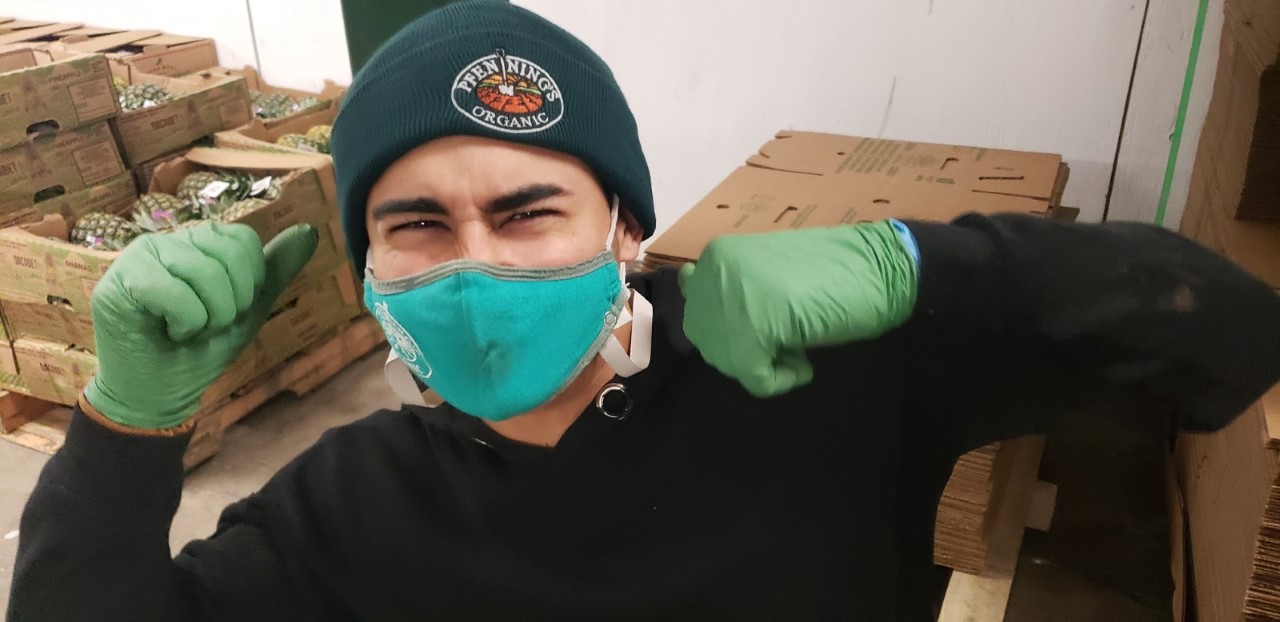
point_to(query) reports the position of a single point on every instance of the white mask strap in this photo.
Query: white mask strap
(613, 224)
(627, 365)
(404, 386)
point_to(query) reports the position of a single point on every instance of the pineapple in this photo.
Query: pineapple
(240, 209)
(301, 143)
(103, 231)
(195, 189)
(271, 105)
(190, 187)
(159, 212)
(320, 135)
(138, 96)
(304, 104)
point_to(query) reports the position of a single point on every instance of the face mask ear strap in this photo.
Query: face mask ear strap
(613, 224)
(404, 386)
(641, 316)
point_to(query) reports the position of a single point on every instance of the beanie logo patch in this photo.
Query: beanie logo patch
(508, 93)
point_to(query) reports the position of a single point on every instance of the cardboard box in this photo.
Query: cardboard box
(330, 96)
(309, 195)
(55, 321)
(148, 51)
(1240, 144)
(51, 166)
(33, 32)
(262, 135)
(41, 92)
(112, 196)
(1228, 479)
(204, 104)
(37, 268)
(804, 179)
(9, 377)
(1254, 245)
(143, 173)
(307, 315)
(49, 370)
(58, 371)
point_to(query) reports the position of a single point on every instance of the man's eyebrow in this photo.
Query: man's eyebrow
(524, 196)
(420, 205)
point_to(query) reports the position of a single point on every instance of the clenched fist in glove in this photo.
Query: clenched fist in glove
(755, 303)
(174, 310)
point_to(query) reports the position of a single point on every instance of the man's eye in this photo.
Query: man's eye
(530, 214)
(419, 224)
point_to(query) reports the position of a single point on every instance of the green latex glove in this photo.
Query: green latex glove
(755, 303)
(174, 310)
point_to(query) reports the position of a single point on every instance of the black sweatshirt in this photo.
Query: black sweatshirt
(704, 502)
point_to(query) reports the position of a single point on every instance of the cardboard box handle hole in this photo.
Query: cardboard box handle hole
(49, 193)
(46, 127)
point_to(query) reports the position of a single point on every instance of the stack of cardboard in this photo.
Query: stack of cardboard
(203, 104)
(57, 152)
(148, 51)
(207, 99)
(1248, 92)
(1231, 479)
(14, 31)
(46, 282)
(802, 179)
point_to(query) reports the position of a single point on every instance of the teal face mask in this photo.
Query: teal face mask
(495, 341)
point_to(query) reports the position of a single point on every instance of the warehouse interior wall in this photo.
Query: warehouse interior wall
(709, 79)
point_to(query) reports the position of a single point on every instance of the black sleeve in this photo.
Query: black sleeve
(1020, 320)
(94, 543)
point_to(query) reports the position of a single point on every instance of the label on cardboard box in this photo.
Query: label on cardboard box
(233, 113)
(97, 162)
(93, 99)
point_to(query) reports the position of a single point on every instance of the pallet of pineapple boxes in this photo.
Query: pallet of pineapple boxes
(68, 205)
(1230, 480)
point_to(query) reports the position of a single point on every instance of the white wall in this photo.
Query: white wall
(1157, 89)
(298, 43)
(301, 42)
(226, 21)
(710, 80)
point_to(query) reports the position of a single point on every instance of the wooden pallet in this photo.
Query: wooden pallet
(1024, 502)
(42, 426)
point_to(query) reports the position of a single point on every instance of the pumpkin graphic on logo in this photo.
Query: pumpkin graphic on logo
(508, 93)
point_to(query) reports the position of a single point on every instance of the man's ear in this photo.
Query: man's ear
(626, 239)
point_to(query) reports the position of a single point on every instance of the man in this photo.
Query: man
(770, 443)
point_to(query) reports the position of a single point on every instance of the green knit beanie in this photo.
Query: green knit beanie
(485, 68)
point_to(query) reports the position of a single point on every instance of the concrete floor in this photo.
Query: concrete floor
(1066, 574)
(252, 451)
